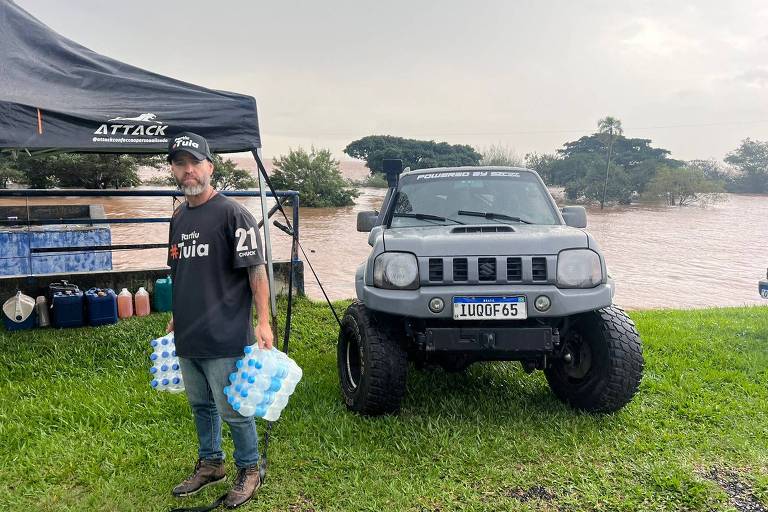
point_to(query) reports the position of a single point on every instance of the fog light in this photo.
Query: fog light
(542, 303)
(436, 305)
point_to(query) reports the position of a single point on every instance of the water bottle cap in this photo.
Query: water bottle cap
(153, 383)
(238, 388)
(173, 353)
(176, 380)
(251, 362)
(153, 343)
(244, 375)
(244, 393)
(251, 379)
(231, 399)
(153, 357)
(164, 368)
(239, 363)
(165, 341)
(248, 349)
(153, 369)
(175, 366)
(165, 382)
(236, 406)
(232, 377)
(226, 390)
(165, 354)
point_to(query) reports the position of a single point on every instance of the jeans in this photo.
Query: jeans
(204, 380)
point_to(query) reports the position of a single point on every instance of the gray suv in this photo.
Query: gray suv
(478, 264)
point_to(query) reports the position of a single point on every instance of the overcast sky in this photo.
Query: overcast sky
(691, 76)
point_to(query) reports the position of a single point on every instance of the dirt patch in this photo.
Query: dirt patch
(739, 493)
(536, 492)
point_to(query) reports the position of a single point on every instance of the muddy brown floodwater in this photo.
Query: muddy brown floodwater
(660, 257)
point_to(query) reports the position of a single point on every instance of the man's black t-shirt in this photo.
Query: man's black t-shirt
(211, 247)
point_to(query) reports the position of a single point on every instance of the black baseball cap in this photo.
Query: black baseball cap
(192, 143)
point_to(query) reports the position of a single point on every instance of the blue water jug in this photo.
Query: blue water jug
(762, 287)
(101, 304)
(67, 309)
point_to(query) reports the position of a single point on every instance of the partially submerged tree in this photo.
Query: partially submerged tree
(416, 154)
(683, 186)
(751, 161)
(610, 127)
(316, 176)
(72, 170)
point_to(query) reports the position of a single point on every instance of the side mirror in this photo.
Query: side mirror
(366, 221)
(575, 216)
(375, 234)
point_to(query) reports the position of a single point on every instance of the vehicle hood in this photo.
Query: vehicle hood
(449, 241)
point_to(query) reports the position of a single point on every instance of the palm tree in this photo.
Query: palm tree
(608, 125)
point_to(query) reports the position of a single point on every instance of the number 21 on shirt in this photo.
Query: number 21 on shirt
(242, 235)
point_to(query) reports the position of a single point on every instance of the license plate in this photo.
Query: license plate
(490, 308)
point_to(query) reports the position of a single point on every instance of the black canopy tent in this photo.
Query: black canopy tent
(58, 96)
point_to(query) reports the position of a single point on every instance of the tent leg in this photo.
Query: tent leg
(267, 240)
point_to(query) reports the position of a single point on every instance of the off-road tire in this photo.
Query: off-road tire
(372, 364)
(615, 368)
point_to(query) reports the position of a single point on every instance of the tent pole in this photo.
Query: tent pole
(267, 240)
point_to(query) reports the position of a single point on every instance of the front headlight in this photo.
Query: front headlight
(396, 271)
(578, 268)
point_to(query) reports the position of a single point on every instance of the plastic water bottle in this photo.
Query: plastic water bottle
(165, 370)
(262, 383)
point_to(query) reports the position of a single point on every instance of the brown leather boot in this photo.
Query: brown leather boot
(207, 472)
(246, 483)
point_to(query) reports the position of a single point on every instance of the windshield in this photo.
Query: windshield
(472, 197)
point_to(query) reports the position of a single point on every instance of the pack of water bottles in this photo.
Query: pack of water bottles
(166, 374)
(262, 383)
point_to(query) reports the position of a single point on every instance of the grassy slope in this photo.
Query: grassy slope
(80, 429)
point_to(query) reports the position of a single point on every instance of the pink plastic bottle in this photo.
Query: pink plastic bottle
(142, 302)
(124, 304)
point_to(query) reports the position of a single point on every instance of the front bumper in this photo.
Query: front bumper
(414, 303)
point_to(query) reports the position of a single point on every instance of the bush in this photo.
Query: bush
(316, 176)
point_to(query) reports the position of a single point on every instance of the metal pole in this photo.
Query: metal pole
(267, 239)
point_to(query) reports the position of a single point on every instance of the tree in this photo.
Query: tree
(416, 154)
(71, 170)
(682, 186)
(608, 126)
(542, 164)
(636, 157)
(316, 176)
(751, 161)
(8, 171)
(227, 176)
(498, 155)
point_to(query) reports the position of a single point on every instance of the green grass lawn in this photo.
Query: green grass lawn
(80, 428)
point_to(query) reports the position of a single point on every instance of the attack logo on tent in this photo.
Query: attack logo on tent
(142, 125)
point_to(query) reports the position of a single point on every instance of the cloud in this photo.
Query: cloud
(755, 77)
(651, 37)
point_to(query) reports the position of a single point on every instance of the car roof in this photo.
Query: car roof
(468, 169)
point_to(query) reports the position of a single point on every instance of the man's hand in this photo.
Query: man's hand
(264, 336)
(169, 327)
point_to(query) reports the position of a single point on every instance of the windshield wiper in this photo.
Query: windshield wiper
(426, 216)
(491, 215)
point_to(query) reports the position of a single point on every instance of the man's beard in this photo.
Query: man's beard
(194, 190)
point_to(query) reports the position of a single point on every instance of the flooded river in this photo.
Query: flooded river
(660, 257)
